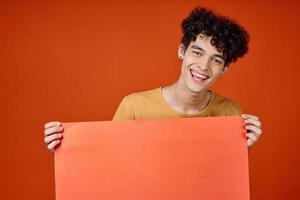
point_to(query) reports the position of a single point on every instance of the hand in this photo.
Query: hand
(253, 127)
(52, 135)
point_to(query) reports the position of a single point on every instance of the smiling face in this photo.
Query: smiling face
(202, 64)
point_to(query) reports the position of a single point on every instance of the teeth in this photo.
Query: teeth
(199, 75)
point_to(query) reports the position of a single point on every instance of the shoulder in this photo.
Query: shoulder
(224, 106)
(135, 103)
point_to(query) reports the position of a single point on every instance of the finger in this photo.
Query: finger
(250, 142)
(253, 122)
(51, 124)
(52, 130)
(50, 138)
(254, 129)
(245, 116)
(252, 136)
(53, 144)
(251, 139)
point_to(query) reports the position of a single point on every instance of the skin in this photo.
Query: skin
(201, 66)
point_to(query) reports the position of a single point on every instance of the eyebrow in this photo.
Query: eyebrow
(216, 55)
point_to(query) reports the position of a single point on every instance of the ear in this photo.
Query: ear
(225, 69)
(180, 51)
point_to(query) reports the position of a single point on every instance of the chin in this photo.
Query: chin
(197, 90)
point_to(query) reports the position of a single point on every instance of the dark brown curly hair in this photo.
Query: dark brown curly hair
(227, 36)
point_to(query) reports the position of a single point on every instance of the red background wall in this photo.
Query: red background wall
(75, 60)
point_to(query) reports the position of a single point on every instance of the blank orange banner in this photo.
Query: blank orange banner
(177, 159)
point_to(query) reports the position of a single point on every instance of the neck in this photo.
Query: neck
(185, 100)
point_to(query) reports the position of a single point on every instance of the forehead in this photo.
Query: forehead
(204, 42)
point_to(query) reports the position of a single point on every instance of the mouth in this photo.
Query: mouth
(198, 77)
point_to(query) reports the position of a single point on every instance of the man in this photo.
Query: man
(210, 43)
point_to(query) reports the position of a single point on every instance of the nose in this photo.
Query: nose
(203, 63)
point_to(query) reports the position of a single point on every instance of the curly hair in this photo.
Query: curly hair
(227, 36)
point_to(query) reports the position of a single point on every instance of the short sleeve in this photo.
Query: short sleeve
(124, 111)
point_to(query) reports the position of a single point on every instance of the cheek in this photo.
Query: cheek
(184, 65)
(217, 72)
(184, 70)
(186, 62)
(187, 59)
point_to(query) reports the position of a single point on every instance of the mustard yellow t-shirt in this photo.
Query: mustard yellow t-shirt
(151, 104)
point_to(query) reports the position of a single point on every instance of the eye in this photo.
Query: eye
(198, 53)
(218, 61)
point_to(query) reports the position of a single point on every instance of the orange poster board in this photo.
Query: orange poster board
(178, 159)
